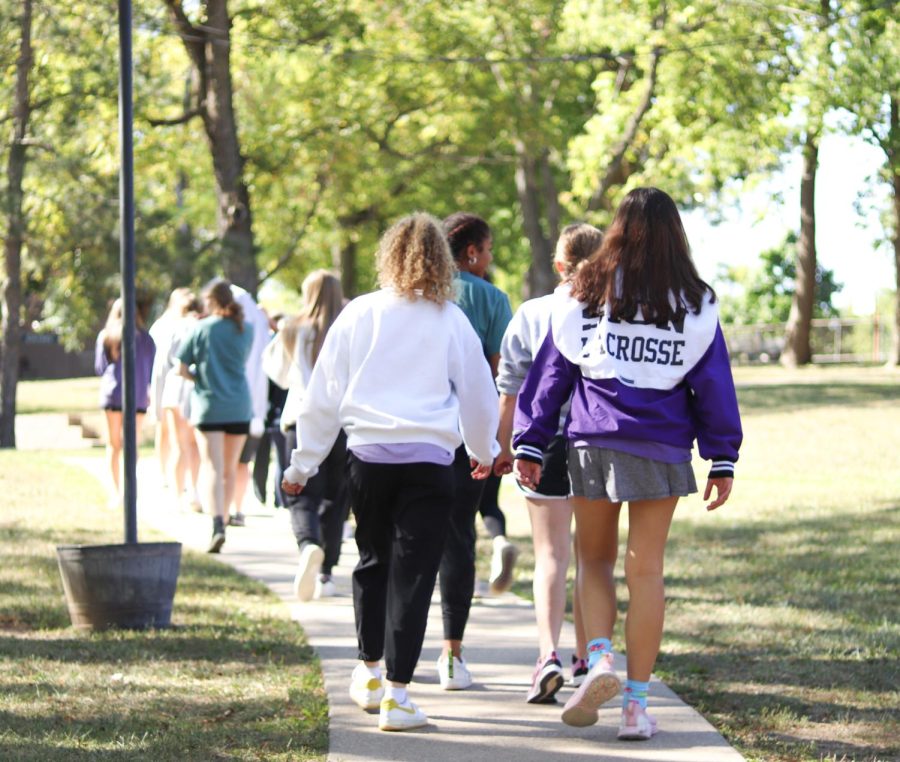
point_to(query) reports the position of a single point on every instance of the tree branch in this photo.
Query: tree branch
(183, 119)
(192, 37)
(298, 237)
(614, 167)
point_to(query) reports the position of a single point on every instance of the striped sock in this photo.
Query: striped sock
(597, 648)
(635, 690)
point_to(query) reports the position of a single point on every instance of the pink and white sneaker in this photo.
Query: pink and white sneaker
(636, 724)
(599, 686)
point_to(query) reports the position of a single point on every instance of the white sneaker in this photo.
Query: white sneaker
(311, 558)
(366, 690)
(325, 588)
(503, 562)
(396, 716)
(453, 673)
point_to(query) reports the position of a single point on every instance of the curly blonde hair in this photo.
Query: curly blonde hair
(414, 259)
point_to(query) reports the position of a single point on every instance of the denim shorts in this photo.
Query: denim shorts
(599, 473)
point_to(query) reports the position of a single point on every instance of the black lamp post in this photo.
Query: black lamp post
(130, 585)
(126, 256)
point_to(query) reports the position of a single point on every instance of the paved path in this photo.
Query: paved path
(491, 721)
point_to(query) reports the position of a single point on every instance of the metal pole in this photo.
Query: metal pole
(126, 251)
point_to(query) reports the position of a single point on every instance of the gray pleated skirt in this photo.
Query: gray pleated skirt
(598, 473)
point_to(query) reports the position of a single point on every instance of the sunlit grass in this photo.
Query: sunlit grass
(234, 677)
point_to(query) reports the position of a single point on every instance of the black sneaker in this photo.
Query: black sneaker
(218, 536)
(237, 520)
(579, 670)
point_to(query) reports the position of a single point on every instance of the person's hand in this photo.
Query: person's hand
(527, 473)
(291, 488)
(503, 464)
(723, 490)
(480, 470)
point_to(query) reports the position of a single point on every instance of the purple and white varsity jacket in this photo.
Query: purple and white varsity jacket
(632, 381)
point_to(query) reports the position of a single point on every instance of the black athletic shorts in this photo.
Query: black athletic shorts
(554, 481)
(228, 428)
(118, 409)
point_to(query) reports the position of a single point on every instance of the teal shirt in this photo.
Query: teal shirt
(218, 351)
(487, 308)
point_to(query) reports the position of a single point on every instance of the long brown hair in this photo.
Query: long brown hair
(221, 301)
(644, 261)
(115, 324)
(323, 299)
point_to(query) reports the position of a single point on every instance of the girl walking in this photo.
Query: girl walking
(317, 515)
(549, 508)
(213, 357)
(638, 349)
(403, 373)
(108, 365)
(487, 309)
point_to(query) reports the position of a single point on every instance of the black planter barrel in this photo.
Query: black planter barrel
(131, 586)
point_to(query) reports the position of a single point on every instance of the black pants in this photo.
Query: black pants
(318, 513)
(402, 512)
(272, 437)
(489, 508)
(458, 561)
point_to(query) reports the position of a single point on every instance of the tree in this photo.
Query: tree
(813, 90)
(12, 249)
(869, 88)
(765, 294)
(208, 45)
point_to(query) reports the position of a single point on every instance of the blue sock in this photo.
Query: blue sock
(597, 648)
(635, 690)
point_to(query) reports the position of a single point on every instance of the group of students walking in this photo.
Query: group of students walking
(409, 403)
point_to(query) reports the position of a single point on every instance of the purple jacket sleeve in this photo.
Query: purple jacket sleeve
(715, 408)
(547, 387)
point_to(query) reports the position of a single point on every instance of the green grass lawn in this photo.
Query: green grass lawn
(69, 395)
(783, 618)
(232, 679)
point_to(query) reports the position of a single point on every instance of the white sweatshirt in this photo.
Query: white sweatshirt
(289, 371)
(397, 371)
(256, 379)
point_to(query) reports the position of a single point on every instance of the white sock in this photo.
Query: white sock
(373, 671)
(398, 694)
(499, 541)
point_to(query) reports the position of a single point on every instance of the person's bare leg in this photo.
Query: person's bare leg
(580, 639)
(551, 522)
(179, 450)
(114, 451)
(648, 530)
(241, 482)
(234, 443)
(163, 444)
(597, 543)
(212, 471)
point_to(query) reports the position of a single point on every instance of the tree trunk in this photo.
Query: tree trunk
(893, 153)
(12, 249)
(894, 359)
(797, 350)
(541, 279)
(209, 47)
(348, 268)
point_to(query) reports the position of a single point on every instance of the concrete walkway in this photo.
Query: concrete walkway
(490, 721)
